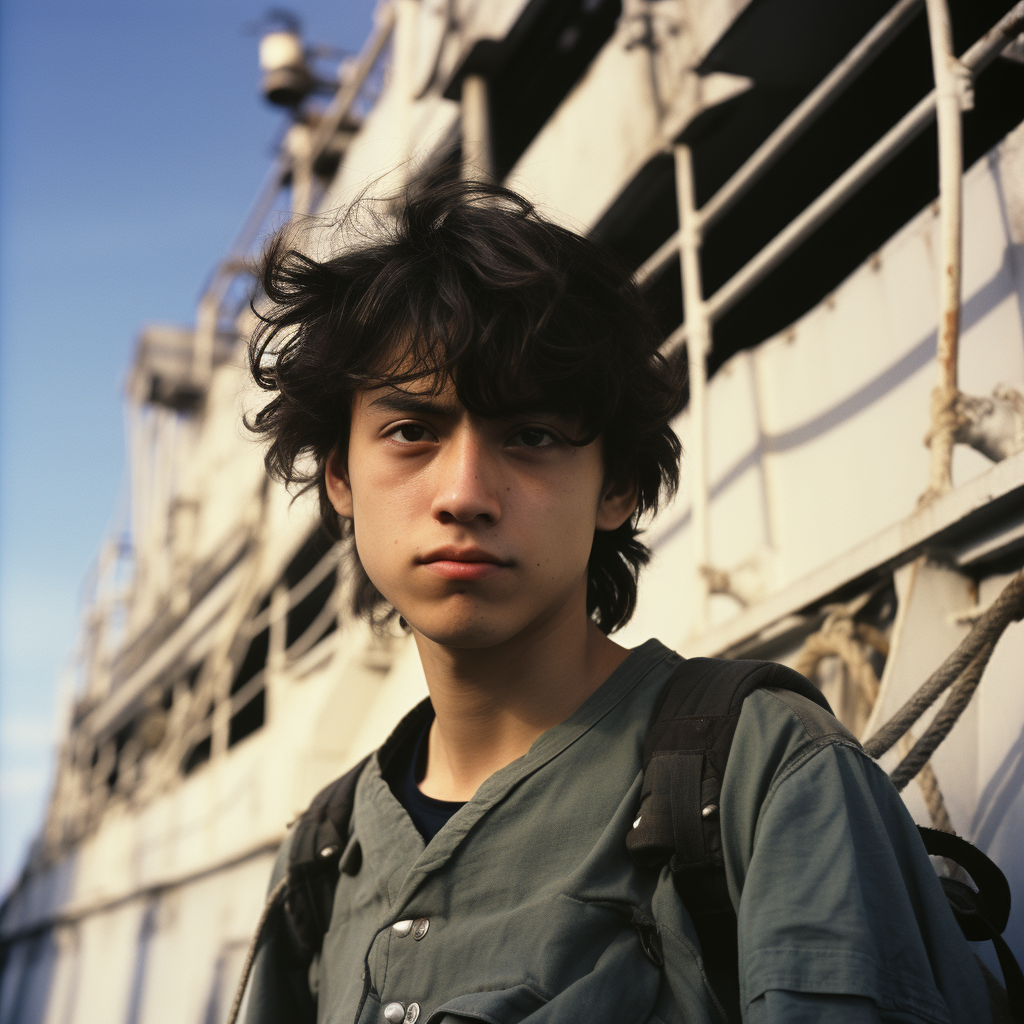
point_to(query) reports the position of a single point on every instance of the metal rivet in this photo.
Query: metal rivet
(402, 928)
(706, 812)
(394, 1013)
(419, 928)
(328, 851)
(412, 1014)
(636, 824)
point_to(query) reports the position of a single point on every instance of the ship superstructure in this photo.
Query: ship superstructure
(825, 205)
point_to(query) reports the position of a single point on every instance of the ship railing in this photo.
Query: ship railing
(953, 79)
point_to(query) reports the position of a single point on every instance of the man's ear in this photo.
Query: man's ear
(618, 503)
(336, 481)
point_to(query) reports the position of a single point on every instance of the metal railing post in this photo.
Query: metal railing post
(476, 129)
(698, 344)
(951, 81)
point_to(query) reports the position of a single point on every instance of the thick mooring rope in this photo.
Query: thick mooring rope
(964, 666)
(958, 699)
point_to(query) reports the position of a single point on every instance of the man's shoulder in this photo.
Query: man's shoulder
(799, 713)
(780, 730)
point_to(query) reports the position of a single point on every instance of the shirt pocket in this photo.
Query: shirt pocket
(622, 988)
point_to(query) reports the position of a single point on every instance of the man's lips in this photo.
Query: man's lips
(463, 563)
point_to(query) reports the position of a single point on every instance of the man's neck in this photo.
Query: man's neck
(491, 704)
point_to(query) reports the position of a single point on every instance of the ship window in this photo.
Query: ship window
(254, 661)
(304, 614)
(199, 754)
(548, 51)
(248, 719)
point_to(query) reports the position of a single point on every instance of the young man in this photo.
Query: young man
(478, 397)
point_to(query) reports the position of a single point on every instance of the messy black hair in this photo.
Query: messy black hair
(463, 281)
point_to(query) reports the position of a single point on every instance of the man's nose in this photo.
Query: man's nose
(466, 486)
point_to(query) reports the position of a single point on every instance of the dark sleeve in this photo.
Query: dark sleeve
(841, 916)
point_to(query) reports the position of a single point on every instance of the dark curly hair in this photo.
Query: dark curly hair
(463, 282)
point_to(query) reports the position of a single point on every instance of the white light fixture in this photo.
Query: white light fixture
(286, 79)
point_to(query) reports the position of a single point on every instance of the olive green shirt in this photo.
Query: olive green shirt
(526, 903)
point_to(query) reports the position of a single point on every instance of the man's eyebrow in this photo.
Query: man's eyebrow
(423, 405)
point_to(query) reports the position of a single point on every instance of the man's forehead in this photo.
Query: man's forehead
(424, 396)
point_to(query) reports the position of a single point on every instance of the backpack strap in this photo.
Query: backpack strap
(319, 837)
(685, 754)
(982, 913)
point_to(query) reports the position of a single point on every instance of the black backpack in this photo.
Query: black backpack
(685, 754)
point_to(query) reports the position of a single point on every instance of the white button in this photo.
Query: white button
(402, 928)
(636, 824)
(394, 1013)
(419, 928)
(412, 1014)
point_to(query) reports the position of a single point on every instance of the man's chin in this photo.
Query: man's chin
(471, 633)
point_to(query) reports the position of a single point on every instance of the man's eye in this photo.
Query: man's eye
(410, 433)
(534, 437)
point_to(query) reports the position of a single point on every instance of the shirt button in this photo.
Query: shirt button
(412, 1014)
(402, 928)
(394, 1013)
(419, 928)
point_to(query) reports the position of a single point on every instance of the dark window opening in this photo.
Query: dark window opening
(247, 720)
(315, 547)
(328, 630)
(199, 754)
(645, 213)
(121, 737)
(301, 617)
(193, 677)
(254, 661)
(857, 229)
(546, 53)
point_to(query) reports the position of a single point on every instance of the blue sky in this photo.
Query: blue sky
(132, 140)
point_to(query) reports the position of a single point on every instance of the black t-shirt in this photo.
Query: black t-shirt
(403, 776)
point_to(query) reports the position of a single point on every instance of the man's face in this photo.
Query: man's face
(477, 530)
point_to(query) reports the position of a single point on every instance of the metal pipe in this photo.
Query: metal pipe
(476, 129)
(318, 140)
(698, 344)
(950, 79)
(349, 92)
(299, 144)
